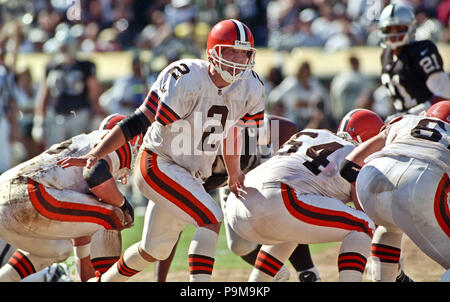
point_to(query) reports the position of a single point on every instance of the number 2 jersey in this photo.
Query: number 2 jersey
(419, 137)
(193, 116)
(309, 162)
(406, 77)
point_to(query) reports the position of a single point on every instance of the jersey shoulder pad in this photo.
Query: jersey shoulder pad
(420, 49)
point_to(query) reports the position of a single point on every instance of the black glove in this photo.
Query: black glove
(128, 208)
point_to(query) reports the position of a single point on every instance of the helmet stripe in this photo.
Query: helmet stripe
(242, 33)
(345, 121)
(393, 10)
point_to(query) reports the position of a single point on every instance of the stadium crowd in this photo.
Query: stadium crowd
(71, 99)
(176, 28)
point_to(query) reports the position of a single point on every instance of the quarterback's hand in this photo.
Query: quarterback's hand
(87, 161)
(128, 212)
(236, 183)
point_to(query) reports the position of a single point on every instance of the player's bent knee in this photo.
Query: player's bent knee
(241, 247)
(159, 250)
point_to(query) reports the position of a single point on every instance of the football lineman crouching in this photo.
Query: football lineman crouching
(299, 196)
(44, 207)
(404, 187)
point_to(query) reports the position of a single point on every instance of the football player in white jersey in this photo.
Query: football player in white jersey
(404, 187)
(299, 196)
(193, 108)
(43, 207)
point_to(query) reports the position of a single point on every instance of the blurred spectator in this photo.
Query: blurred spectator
(108, 40)
(89, 39)
(154, 34)
(26, 94)
(273, 78)
(128, 92)
(348, 37)
(282, 22)
(298, 96)
(9, 127)
(381, 101)
(304, 34)
(180, 11)
(347, 87)
(253, 14)
(443, 12)
(326, 25)
(68, 97)
(427, 28)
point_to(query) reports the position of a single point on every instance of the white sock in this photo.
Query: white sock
(353, 255)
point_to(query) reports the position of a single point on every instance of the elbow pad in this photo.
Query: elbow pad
(98, 174)
(349, 170)
(134, 124)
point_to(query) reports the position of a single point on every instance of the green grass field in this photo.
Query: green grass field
(224, 257)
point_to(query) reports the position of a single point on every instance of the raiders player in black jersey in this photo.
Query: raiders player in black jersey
(412, 70)
(301, 257)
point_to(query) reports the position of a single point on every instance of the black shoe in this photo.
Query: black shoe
(402, 277)
(307, 276)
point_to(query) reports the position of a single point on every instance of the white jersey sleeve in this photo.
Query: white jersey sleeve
(418, 137)
(167, 98)
(309, 162)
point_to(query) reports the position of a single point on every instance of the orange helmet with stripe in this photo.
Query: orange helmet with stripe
(230, 34)
(360, 125)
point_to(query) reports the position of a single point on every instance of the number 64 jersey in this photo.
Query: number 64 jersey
(418, 137)
(309, 162)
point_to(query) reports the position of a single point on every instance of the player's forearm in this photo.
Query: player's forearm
(439, 85)
(231, 151)
(359, 154)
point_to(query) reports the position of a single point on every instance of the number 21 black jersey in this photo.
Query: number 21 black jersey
(406, 76)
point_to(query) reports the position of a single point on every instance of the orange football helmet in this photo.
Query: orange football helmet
(440, 110)
(235, 34)
(360, 125)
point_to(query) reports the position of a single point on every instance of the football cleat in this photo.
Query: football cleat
(310, 275)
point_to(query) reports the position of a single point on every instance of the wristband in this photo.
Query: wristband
(349, 170)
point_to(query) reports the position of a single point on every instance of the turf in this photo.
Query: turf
(224, 257)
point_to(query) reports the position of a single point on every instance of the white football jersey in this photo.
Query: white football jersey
(44, 170)
(193, 115)
(419, 137)
(309, 162)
